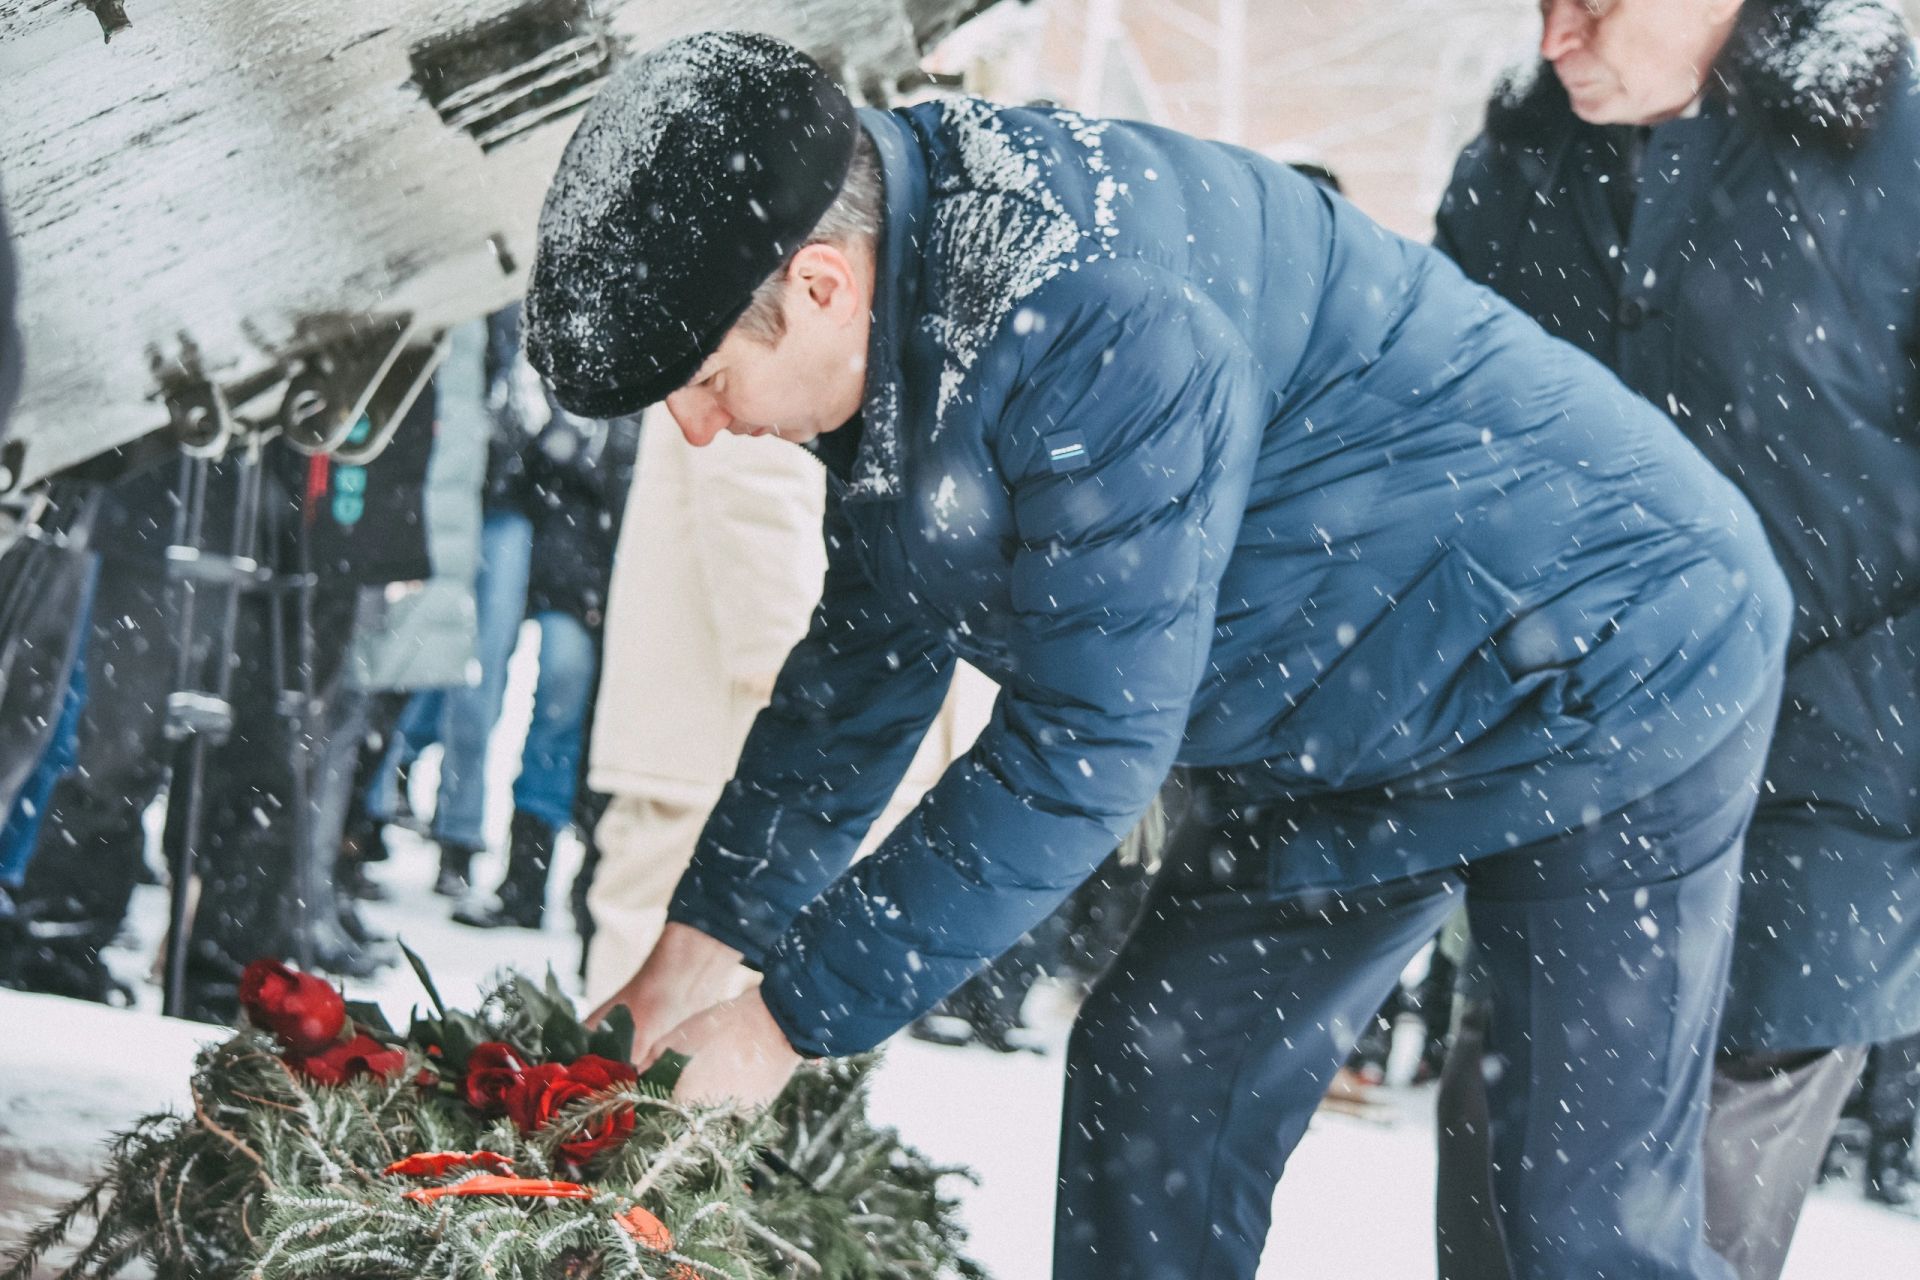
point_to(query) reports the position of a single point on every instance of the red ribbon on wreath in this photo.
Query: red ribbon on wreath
(489, 1184)
(438, 1164)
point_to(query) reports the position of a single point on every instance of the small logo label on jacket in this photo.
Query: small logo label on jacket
(1066, 450)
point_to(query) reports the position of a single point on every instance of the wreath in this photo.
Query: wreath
(509, 1143)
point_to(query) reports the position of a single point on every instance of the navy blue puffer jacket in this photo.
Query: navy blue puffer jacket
(1204, 466)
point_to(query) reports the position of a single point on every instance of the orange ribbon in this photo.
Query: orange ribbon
(647, 1229)
(488, 1184)
(643, 1226)
(438, 1164)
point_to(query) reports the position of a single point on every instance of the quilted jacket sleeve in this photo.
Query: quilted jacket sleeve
(1126, 435)
(853, 700)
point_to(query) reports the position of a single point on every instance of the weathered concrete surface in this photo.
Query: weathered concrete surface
(220, 174)
(75, 1074)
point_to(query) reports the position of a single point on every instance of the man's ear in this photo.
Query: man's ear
(828, 276)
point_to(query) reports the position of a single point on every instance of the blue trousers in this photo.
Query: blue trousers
(468, 714)
(20, 836)
(1197, 1062)
(550, 760)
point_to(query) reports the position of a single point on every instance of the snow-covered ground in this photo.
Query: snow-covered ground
(1356, 1201)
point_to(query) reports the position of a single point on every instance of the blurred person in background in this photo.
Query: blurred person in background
(47, 578)
(577, 473)
(461, 719)
(416, 635)
(345, 528)
(1717, 200)
(91, 843)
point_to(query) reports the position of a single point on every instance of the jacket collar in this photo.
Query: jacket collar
(879, 470)
(1822, 69)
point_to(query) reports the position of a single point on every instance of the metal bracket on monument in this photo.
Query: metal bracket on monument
(330, 391)
(376, 373)
(202, 421)
(211, 568)
(192, 712)
(409, 376)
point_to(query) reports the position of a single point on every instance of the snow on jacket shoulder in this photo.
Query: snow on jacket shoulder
(1201, 465)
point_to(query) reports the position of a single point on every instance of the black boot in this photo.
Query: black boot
(402, 802)
(53, 948)
(12, 936)
(984, 1011)
(456, 860)
(522, 896)
(577, 899)
(353, 882)
(1890, 1175)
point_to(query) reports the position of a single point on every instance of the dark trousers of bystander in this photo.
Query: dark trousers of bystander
(1767, 1130)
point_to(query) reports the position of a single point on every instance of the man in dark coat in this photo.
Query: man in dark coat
(1719, 200)
(1207, 470)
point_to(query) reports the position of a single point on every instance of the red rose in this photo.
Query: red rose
(604, 1133)
(601, 1074)
(303, 1011)
(341, 1062)
(538, 1093)
(541, 1093)
(492, 1070)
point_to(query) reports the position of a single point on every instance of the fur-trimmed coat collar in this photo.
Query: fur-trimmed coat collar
(1821, 69)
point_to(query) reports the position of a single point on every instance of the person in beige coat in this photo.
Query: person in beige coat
(718, 568)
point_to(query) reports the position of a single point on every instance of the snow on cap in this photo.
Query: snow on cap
(699, 168)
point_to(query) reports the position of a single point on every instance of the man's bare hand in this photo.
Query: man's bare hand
(686, 973)
(735, 1052)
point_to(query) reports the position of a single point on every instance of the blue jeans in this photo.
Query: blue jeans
(462, 718)
(417, 729)
(550, 761)
(21, 834)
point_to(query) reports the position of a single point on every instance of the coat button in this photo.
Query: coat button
(1630, 314)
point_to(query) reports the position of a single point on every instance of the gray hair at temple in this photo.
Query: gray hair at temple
(854, 219)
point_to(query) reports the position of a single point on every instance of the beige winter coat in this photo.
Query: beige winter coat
(718, 569)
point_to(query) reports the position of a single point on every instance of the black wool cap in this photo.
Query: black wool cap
(698, 170)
